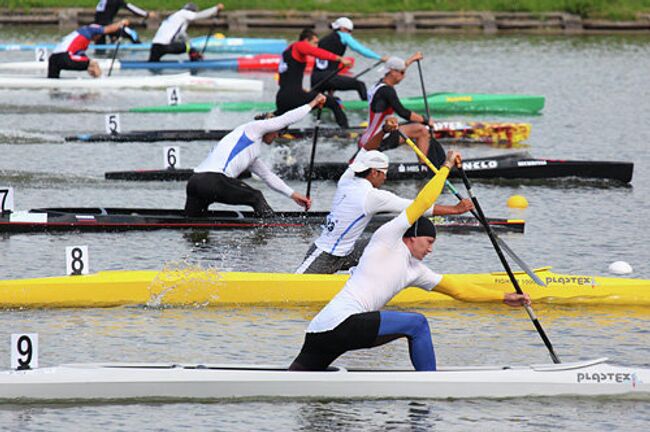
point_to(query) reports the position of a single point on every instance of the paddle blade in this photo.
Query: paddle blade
(522, 265)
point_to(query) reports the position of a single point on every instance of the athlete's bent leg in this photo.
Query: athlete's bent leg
(413, 326)
(419, 133)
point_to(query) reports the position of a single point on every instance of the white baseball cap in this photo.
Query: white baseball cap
(369, 159)
(393, 63)
(343, 22)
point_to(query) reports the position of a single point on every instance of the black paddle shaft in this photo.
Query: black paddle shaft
(213, 26)
(313, 151)
(117, 47)
(506, 266)
(324, 80)
(368, 69)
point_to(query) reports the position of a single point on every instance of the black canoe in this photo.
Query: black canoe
(512, 166)
(125, 219)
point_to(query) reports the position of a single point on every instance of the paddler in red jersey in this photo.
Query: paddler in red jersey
(383, 102)
(70, 53)
(292, 69)
(391, 262)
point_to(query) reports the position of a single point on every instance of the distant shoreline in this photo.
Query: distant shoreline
(401, 22)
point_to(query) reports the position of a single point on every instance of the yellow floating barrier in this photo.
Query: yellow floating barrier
(193, 287)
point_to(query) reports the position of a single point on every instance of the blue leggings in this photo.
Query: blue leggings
(415, 327)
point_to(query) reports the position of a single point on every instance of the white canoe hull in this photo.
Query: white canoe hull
(36, 66)
(96, 382)
(184, 80)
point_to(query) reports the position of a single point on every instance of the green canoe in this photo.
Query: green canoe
(447, 103)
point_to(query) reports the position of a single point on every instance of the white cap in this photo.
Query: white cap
(343, 22)
(370, 159)
(393, 63)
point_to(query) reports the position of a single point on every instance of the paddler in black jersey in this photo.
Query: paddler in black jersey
(105, 13)
(385, 102)
(337, 42)
(292, 69)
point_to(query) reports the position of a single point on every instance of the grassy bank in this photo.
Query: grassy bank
(606, 9)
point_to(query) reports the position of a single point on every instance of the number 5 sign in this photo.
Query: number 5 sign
(24, 351)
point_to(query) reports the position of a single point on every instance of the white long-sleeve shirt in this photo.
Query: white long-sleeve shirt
(385, 268)
(240, 150)
(173, 28)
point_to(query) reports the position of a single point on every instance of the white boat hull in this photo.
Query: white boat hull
(96, 382)
(184, 80)
(36, 66)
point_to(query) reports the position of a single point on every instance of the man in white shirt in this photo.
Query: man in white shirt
(171, 37)
(215, 179)
(391, 262)
(357, 199)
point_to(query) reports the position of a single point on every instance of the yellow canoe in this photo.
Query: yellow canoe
(191, 287)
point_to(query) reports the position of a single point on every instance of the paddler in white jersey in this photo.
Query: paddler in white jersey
(357, 199)
(171, 37)
(391, 262)
(215, 179)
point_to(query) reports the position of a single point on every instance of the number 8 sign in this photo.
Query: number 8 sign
(76, 260)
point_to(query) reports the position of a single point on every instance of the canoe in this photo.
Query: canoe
(190, 287)
(104, 219)
(439, 103)
(516, 166)
(173, 382)
(184, 80)
(217, 44)
(450, 132)
(506, 167)
(258, 62)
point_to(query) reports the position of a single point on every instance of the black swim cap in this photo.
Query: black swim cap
(423, 227)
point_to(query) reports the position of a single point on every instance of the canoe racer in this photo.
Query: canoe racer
(384, 102)
(391, 262)
(105, 13)
(215, 179)
(292, 69)
(70, 53)
(171, 37)
(357, 199)
(337, 42)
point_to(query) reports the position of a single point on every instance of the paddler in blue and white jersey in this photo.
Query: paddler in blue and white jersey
(171, 37)
(391, 262)
(70, 53)
(215, 179)
(337, 42)
(356, 201)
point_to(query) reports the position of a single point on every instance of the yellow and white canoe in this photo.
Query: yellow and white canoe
(228, 289)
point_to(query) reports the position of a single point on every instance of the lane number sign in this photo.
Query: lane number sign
(172, 157)
(24, 351)
(76, 260)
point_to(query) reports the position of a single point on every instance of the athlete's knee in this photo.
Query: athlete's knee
(420, 324)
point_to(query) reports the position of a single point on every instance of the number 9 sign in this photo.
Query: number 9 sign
(24, 351)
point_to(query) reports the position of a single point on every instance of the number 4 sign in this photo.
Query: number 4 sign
(24, 351)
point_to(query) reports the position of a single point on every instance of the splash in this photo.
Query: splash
(181, 283)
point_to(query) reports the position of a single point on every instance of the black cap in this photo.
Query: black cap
(423, 227)
(191, 7)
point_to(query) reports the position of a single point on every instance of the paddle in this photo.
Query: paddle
(453, 190)
(117, 47)
(506, 266)
(213, 27)
(313, 151)
(324, 80)
(368, 69)
(439, 150)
